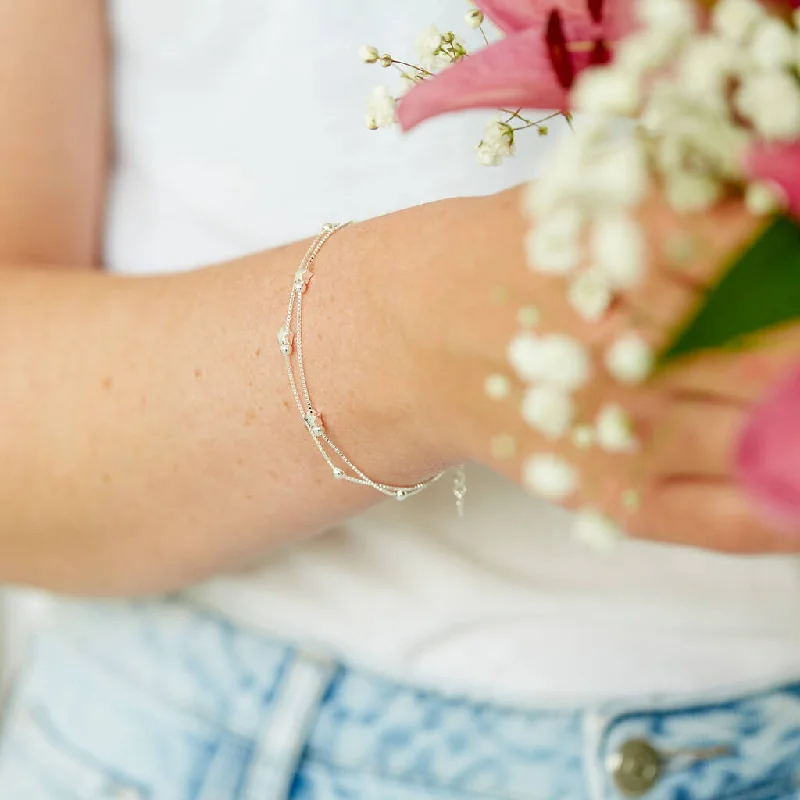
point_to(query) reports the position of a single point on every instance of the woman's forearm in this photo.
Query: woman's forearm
(150, 436)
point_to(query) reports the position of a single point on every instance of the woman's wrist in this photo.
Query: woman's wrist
(362, 372)
(448, 295)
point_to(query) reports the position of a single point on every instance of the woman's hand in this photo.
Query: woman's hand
(677, 484)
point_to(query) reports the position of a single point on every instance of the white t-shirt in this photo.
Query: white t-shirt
(240, 127)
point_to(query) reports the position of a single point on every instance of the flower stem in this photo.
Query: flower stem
(532, 123)
(412, 66)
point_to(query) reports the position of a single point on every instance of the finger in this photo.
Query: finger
(707, 514)
(688, 255)
(528, 424)
(659, 307)
(744, 376)
(694, 249)
(694, 438)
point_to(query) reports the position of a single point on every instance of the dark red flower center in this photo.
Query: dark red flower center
(558, 46)
(596, 10)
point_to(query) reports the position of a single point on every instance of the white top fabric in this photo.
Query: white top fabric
(240, 127)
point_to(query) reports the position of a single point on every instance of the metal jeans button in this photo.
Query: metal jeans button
(635, 768)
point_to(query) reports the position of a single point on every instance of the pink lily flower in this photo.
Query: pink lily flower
(547, 44)
(778, 164)
(768, 456)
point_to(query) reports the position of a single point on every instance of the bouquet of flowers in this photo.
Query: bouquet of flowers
(710, 90)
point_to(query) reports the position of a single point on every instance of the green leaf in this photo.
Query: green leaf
(760, 291)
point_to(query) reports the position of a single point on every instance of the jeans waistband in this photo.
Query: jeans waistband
(733, 747)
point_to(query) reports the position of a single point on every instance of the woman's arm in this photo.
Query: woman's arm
(53, 130)
(148, 433)
(150, 437)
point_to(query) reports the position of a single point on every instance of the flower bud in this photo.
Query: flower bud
(368, 54)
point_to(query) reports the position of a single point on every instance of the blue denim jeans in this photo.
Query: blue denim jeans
(163, 701)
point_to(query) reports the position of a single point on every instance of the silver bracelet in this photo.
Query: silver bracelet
(290, 342)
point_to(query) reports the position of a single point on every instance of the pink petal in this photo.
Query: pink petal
(768, 456)
(513, 73)
(516, 71)
(513, 16)
(779, 164)
(620, 19)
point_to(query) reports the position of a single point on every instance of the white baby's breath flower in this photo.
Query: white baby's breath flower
(550, 476)
(670, 153)
(664, 104)
(589, 295)
(631, 500)
(497, 387)
(427, 47)
(646, 50)
(553, 244)
(677, 17)
(705, 67)
(368, 54)
(608, 90)
(555, 360)
(773, 45)
(593, 529)
(615, 432)
(428, 41)
(763, 197)
(537, 200)
(381, 109)
(562, 361)
(736, 19)
(548, 410)
(497, 143)
(797, 46)
(528, 316)
(561, 182)
(545, 195)
(700, 134)
(726, 150)
(499, 136)
(619, 250)
(691, 128)
(407, 83)
(630, 359)
(583, 437)
(616, 177)
(486, 156)
(474, 18)
(771, 101)
(588, 131)
(690, 192)
(524, 356)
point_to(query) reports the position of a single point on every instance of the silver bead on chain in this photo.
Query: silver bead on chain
(290, 342)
